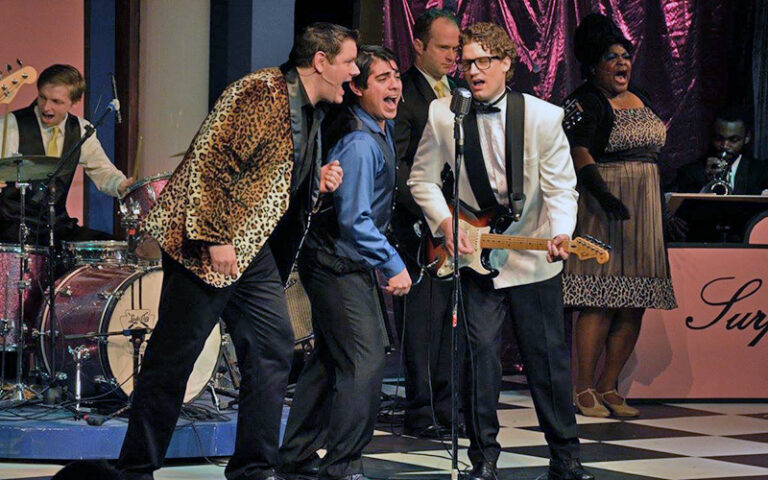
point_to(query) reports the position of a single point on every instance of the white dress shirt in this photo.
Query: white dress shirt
(491, 127)
(93, 159)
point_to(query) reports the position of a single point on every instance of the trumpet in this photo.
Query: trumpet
(719, 184)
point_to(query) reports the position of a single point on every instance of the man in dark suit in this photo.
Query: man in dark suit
(425, 311)
(731, 136)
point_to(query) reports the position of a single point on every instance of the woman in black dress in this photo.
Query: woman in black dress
(615, 139)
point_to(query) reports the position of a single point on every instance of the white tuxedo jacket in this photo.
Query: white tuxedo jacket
(549, 186)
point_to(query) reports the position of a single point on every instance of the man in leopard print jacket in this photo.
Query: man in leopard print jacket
(256, 157)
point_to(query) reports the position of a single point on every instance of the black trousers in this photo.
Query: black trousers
(338, 392)
(537, 312)
(256, 316)
(426, 312)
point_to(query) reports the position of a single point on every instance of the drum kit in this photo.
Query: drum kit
(85, 332)
(88, 337)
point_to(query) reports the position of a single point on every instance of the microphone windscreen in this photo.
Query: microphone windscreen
(461, 101)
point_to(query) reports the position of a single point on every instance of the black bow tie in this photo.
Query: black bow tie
(481, 107)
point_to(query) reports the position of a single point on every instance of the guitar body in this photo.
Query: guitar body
(485, 231)
(434, 255)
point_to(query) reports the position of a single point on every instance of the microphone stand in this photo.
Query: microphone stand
(50, 186)
(458, 135)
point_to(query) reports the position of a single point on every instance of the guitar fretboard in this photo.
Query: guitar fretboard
(508, 242)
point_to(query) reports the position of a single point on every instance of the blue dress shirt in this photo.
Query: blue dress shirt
(363, 202)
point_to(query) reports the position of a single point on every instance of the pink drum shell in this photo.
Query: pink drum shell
(9, 298)
(145, 192)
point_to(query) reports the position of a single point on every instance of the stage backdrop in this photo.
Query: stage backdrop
(681, 54)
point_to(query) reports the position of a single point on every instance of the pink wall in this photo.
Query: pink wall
(41, 33)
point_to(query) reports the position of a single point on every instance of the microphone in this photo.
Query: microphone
(114, 106)
(116, 101)
(461, 101)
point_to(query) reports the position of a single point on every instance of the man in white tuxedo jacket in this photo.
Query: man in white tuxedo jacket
(528, 288)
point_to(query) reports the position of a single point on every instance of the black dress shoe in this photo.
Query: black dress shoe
(568, 470)
(484, 471)
(431, 432)
(311, 473)
(309, 469)
(354, 476)
(299, 475)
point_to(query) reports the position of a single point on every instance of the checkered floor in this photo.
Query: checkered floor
(684, 441)
(669, 441)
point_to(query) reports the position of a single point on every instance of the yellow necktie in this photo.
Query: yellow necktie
(52, 150)
(441, 90)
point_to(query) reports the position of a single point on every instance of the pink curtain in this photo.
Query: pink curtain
(681, 53)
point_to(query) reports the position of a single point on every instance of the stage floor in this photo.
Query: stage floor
(669, 441)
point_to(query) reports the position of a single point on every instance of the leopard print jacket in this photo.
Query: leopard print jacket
(233, 185)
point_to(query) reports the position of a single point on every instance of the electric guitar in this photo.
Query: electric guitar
(483, 230)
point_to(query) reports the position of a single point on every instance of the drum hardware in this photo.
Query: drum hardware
(105, 294)
(151, 192)
(214, 398)
(79, 354)
(100, 379)
(22, 285)
(230, 359)
(130, 222)
(137, 339)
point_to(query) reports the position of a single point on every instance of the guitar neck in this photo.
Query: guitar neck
(508, 242)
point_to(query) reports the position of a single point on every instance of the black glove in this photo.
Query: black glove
(589, 177)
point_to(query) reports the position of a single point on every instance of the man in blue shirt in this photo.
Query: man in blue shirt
(337, 394)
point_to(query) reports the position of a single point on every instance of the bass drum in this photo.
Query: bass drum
(109, 299)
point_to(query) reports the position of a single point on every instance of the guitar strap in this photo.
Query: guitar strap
(514, 152)
(475, 165)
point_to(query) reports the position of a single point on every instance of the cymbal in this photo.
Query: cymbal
(34, 167)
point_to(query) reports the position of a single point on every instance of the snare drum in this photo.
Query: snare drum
(144, 193)
(106, 299)
(10, 304)
(109, 252)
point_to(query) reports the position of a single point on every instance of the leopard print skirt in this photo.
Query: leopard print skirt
(637, 275)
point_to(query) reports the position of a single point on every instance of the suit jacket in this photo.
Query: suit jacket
(233, 185)
(549, 184)
(751, 177)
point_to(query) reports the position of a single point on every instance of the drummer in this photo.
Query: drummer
(47, 127)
